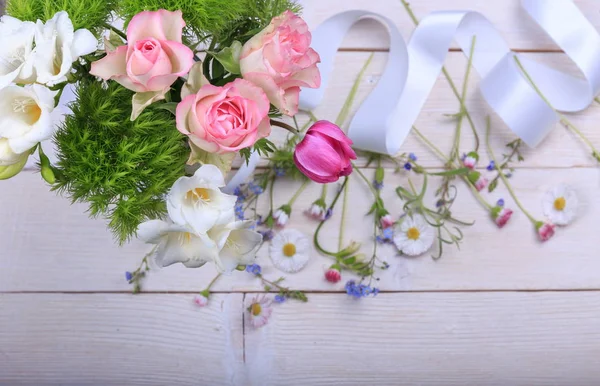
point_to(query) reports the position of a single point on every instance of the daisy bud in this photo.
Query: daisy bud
(479, 181)
(470, 160)
(282, 215)
(333, 275)
(200, 300)
(545, 230)
(386, 221)
(317, 210)
(501, 216)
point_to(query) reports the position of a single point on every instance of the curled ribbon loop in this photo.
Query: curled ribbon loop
(387, 115)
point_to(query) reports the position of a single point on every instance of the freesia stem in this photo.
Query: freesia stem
(502, 176)
(115, 30)
(563, 119)
(298, 192)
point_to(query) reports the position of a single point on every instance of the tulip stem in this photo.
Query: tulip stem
(115, 30)
(375, 194)
(298, 192)
(343, 220)
(284, 126)
(502, 176)
(324, 192)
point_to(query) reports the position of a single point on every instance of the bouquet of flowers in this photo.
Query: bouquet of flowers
(161, 110)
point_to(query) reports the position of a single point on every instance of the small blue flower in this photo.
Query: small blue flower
(254, 269)
(439, 203)
(267, 234)
(407, 166)
(328, 214)
(378, 185)
(239, 193)
(279, 299)
(360, 290)
(500, 202)
(255, 189)
(279, 172)
(388, 233)
(385, 265)
(508, 175)
(412, 157)
(128, 276)
(491, 166)
(239, 211)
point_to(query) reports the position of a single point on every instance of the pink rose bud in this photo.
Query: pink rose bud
(154, 56)
(225, 119)
(325, 153)
(545, 230)
(333, 275)
(280, 61)
(386, 221)
(502, 217)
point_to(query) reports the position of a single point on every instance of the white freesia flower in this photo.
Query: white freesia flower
(25, 117)
(290, 250)
(560, 204)
(16, 47)
(414, 236)
(58, 46)
(7, 155)
(227, 246)
(198, 200)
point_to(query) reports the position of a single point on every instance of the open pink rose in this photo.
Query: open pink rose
(153, 58)
(225, 119)
(280, 61)
(324, 154)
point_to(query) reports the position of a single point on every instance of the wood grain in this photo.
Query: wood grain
(49, 245)
(100, 339)
(430, 339)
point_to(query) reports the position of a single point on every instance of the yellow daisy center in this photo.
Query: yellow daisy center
(198, 194)
(560, 203)
(255, 309)
(413, 233)
(289, 250)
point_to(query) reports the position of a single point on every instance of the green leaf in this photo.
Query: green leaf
(222, 161)
(169, 106)
(454, 172)
(230, 57)
(493, 185)
(46, 169)
(350, 260)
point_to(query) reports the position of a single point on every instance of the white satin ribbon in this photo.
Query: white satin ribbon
(387, 115)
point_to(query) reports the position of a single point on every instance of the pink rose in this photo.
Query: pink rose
(153, 58)
(225, 119)
(280, 61)
(545, 230)
(324, 154)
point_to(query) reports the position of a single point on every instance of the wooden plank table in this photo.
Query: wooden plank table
(504, 310)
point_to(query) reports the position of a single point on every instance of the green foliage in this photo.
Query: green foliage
(257, 15)
(203, 17)
(122, 169)
(263, 147)
(89, 14)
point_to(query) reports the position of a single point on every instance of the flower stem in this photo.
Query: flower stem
(324, 192)
(343, 220)
(375, 194)
(343, 115)
(298, 192)
(563, 119)
(502, 176)
(284, 126)
(212, 282)
(115, 30)
(476, 193)
(316, 235)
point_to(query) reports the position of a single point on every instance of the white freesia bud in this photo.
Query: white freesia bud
(11, 163)
(198, 202)
(25, 117)
(16, 46)
(58, 46)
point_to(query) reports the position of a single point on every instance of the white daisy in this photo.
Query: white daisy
(259, 311)
(560, 204)
(290, 250)
(414, 236)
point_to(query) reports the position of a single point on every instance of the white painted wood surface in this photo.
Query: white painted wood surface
(505, 310)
